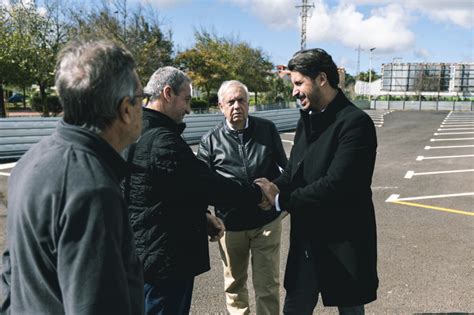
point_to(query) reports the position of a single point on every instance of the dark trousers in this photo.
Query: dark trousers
(303, 297)
(171, 297)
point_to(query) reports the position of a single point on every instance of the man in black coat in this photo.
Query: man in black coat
(168, 192)
(326, 190)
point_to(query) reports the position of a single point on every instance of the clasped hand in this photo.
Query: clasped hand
(269, 192)
(215, 227)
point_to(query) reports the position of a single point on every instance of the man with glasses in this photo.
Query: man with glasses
(168, 193)
(326, 190)
(70, 245)
(245, 148)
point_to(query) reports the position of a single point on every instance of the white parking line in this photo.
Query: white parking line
(7, 165)
(448, 129)
(421, 157)
(449, 147)
(453, 133)
(468, 120)
(410, 174)
(394, 197)
(456, 125)
(451, 139)
(4, 174)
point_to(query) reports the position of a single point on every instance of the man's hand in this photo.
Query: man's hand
(264, 203)
(215, 227)
(269, 189)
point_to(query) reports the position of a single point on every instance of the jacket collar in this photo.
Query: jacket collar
(153, 119)
(317, 122)
(89, 141)
(246, 132)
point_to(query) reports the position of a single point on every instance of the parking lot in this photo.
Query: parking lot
(423, 191)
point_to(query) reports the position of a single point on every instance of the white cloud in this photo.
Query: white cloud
(386, 28)
(457, 12)
(42, 11)
(277, 14)
(421, 53)
(160, 4)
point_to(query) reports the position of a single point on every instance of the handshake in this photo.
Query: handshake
(269, 192)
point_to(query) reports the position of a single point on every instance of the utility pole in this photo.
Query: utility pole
(358, 60)
(304, 18)
(370, 70)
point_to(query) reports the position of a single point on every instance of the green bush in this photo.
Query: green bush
(213, 99)
(197, 103)
(54, 106)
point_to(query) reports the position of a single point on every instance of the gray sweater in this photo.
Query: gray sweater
(70, 246)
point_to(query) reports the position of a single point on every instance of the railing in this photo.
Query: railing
(17, 135)
(423, 105)
(252, 108)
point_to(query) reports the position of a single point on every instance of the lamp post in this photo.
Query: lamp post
(370, 71)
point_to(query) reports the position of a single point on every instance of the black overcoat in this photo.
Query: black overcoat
(326, 189)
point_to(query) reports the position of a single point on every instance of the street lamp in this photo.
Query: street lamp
(370, 70)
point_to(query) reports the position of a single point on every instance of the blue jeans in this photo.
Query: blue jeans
(171, 297)
(303, 299)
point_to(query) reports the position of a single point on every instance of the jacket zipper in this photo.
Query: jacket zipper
(244, 159)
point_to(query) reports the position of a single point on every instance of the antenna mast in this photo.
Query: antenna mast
(358, 60)
(304, 18)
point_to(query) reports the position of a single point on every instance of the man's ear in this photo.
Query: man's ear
(323, 79)
(167, 93)
(125, 110)
(220, 106)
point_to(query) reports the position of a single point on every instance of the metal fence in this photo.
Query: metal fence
(423, 105)
(17, 135)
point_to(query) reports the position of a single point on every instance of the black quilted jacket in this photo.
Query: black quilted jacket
(168, 195)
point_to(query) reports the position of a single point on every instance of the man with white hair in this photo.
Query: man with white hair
(244, 147)
(168, 192)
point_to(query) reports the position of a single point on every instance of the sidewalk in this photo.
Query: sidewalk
(22, 113)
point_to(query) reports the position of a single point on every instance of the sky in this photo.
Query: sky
(404, 30)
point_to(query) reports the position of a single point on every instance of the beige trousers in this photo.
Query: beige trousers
(263, 245)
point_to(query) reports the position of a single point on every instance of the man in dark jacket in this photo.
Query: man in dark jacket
(70, 245)
(326, 190)
(245, 148)
(168, 194)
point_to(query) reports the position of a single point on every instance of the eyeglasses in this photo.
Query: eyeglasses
(142, 95)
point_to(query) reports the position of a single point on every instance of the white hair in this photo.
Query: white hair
(227, 84)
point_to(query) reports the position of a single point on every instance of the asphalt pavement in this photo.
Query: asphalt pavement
(423, 191)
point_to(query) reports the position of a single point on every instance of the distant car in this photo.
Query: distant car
(16, 98)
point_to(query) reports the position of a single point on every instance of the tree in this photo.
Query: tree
(364, 76)
(35, 38)
(138, 30)
(208, 63)
(215, 59)
(151, 48)
(4, 57)
(349, 84)
(252, 67)
(32, 36)
(279, 90)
